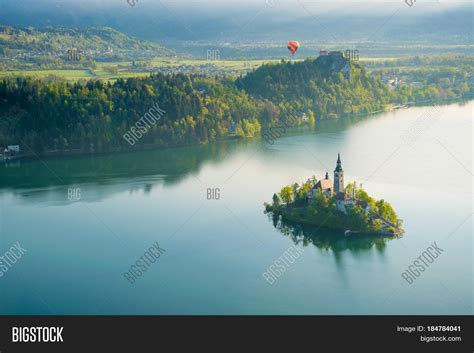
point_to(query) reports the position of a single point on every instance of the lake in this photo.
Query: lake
(84, 221)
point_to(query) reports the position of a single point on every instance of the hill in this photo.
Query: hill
(58, 38)
(94, 116)
(22, 47)
(328, 86)
(331, 86)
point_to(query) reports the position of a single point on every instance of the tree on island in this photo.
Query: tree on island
(364, 215)
(286, 194)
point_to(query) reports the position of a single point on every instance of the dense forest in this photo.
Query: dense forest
(329, 86)
(93, 116)
(323, 88)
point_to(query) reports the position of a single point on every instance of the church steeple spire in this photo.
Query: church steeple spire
(338, 165)
(338, 176)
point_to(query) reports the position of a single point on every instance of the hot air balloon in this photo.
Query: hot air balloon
(293, 47)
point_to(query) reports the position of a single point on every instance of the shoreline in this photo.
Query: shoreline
(56, 154)
(291, 221)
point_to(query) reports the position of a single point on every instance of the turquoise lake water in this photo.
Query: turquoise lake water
(418, 159)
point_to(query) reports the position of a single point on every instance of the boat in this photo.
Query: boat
(348, 232)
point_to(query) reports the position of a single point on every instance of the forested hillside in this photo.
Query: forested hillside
(53, 48)
(57, 38)
(323, 88)
(93, 116)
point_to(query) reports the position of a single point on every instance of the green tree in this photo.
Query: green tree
(286, 194)
(276, 200)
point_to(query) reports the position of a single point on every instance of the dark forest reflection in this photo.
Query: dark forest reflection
(170, 165)
(327, 239)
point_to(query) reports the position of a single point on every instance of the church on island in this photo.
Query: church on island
(336, 189)
(333, 205)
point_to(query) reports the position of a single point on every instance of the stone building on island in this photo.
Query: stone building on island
(325, 185)
(336, 189)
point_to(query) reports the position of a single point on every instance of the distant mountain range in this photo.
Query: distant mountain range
(255, 29)
(246, 21)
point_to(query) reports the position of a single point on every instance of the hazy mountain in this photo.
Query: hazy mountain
(56, 38)
(266, 21)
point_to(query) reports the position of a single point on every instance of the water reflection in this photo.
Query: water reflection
(327, 239)
(168, 166)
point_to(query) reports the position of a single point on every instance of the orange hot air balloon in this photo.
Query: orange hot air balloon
(293, 47)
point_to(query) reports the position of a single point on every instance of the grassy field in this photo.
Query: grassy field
(73, 75)
(110, 71)
(113, 70)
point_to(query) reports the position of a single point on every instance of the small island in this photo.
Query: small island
(329, 204)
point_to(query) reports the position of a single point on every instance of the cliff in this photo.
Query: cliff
(334, 63)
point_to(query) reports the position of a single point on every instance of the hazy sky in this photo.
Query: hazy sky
(296, 5)
(200, 19)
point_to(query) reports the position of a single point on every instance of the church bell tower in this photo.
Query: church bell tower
(338, 177)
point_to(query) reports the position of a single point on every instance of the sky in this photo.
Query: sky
(196, 19)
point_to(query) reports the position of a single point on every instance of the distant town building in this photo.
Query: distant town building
(13, 148)
(323, 52)
(9, 152)
(393, 83)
